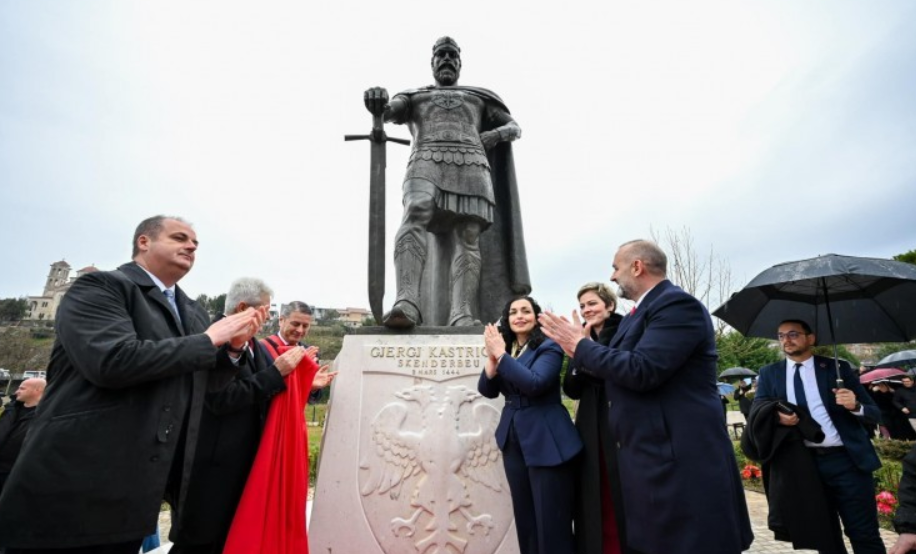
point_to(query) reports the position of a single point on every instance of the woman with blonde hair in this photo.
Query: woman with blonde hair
(598, 514)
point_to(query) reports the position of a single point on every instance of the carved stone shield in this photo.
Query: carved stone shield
(425, 472)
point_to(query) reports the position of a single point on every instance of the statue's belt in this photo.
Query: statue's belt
(450, 153)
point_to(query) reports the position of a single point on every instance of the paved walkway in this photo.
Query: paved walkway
(763, 537)
(756, 503)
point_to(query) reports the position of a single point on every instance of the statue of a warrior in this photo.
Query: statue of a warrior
(459, 253)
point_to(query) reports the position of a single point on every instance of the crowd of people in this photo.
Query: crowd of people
(150, 400)
(147, 400)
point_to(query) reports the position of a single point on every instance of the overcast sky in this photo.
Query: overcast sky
(773, 131)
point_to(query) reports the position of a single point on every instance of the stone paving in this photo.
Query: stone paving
(763, 537)
(757, 506)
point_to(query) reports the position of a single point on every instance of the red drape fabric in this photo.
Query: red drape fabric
(270, 517)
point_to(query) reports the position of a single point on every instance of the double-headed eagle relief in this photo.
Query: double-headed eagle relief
(431, 458)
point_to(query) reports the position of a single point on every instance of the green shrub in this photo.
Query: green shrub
(892, 449)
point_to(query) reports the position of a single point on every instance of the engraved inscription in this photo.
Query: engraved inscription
(436, 362)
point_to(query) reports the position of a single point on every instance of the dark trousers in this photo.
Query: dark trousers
(130, 547)
(852, 492)
(542, 500)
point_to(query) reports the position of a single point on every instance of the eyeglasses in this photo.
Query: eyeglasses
(790, 335)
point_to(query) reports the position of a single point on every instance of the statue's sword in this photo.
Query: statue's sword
(378, 138)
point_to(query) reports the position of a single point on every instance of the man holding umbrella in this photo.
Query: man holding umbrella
(845, 459)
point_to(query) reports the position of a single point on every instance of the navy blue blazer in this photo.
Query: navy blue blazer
(771, 385)
(531, 385)
(680, 481)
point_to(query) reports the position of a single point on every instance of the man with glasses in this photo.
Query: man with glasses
(845, 458)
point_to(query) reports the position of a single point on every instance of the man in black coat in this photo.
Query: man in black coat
(118, 423)
(905, 399)
(14, 423)
(230, 431)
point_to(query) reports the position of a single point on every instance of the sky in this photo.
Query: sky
(770, 131)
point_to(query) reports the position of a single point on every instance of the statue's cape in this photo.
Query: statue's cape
(504, 267)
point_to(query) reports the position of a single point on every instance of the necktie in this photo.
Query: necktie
(633, 310)
(800, 398)
(170, 296)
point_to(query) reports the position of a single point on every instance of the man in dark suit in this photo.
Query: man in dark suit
(681, 488)
(846, 458)
(118, 422)
(14, 423)
(230, 431)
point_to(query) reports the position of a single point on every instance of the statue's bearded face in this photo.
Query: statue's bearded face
(446, 66)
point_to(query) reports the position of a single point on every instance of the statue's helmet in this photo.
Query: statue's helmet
(446, 42)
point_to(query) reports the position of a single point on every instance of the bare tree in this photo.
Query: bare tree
(707, 277)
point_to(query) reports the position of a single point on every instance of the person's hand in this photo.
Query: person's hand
(905, 543)
(376, 100)
(287, 362)
(493, 340)
(845, 398)
(239, 340)
(564, 332)
(237, 328)
(312, 352)
(323, 378)
(787, 419)
(906, 411)
(496, 348)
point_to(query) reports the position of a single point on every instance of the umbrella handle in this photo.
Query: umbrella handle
(840, 384)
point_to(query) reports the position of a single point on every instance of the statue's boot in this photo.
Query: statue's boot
(465, 282)
(409, 258)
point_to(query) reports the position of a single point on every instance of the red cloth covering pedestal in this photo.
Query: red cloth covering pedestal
(270, 517)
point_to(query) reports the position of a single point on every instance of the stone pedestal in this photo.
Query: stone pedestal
(408, 459)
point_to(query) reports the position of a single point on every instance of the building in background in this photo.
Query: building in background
(43, 308)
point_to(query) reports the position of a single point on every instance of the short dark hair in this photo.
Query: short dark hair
(649, 253)
(150, 227)
(537, 336)
(800, 322)
(295, 306)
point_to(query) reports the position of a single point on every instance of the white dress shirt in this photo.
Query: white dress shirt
(815, 402)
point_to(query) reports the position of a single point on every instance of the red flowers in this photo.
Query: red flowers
(886, 502)
(751, 472)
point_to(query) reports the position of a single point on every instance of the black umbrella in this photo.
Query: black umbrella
(897, 359)
(845, 300)
(738, 372)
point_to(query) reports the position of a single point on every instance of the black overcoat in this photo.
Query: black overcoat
(126, 383)
(230, 432)
(598, 442)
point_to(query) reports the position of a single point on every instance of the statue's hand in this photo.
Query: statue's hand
(376, 99)
(489, 139)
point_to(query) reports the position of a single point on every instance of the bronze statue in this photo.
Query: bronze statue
(459, 253)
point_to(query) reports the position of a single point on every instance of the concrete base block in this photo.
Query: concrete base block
(408, 459)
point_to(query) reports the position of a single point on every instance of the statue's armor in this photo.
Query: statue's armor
(447, 151)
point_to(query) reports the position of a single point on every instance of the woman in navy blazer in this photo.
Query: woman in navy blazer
(535, 433)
